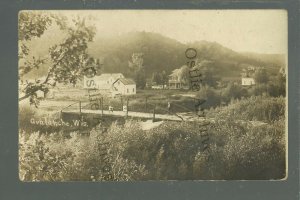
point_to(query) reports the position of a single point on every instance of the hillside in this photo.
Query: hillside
(162, 53)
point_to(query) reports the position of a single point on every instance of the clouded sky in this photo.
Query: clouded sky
(262, 31)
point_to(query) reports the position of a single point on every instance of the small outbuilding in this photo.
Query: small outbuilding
(125, 86)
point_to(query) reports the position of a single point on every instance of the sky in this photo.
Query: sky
(261, 31)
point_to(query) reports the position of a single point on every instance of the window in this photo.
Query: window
(127, 90)
(132, 89)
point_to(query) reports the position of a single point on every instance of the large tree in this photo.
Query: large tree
(182, 73)
(156, 78)
(164, 78)
(31, 25)
(207, 71)
(261, 76)
(68, 59)
(138, 70)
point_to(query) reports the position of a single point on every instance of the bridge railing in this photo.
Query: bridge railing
(72, 106)
(130, 104)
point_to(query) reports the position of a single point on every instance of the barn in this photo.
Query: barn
(125, 86)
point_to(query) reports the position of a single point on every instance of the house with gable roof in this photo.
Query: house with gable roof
(102, 82)
(125, 86)
(114, 84)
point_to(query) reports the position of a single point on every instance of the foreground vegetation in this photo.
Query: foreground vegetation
(171, 151)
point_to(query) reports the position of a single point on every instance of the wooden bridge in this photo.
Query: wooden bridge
(141, 115)
(95, 106)
(187, 116)
(78, 109)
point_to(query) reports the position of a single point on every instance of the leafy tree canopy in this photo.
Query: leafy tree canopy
(68, 60)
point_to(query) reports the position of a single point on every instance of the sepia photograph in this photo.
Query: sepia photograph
(140, 95)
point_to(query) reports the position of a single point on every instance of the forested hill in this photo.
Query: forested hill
(162, 53)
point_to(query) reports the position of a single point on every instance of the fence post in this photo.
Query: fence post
(153, 119)
(80, 107)
(146, 103)
(79, 116)
(98, 103)
(101, 106)
(60, 115)
(127, 102)
(122, 103)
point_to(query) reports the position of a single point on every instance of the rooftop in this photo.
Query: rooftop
(126, 81)
(114, 75)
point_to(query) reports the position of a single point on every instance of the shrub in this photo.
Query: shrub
(233, 91)
(25, 114)
(260, 108)
(40, 161)
(210, 95)
(57, 158)
(244, 151)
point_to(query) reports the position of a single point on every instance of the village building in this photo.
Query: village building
(248, 81)
(124, 86)
(248, 76)
(175, 82)
(102, 82)
(158, 87)
(113, 84)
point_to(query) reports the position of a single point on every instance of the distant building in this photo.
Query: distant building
(248, 75)
(111, 84)
(40, 94)
(158, 87)
(248, 81)
(282, 71)
(124, 86)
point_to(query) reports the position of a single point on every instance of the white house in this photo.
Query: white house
(102, 82)
(175, 82)
(158, 87)
(124, 86)
(248, 81)
(247, 76)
